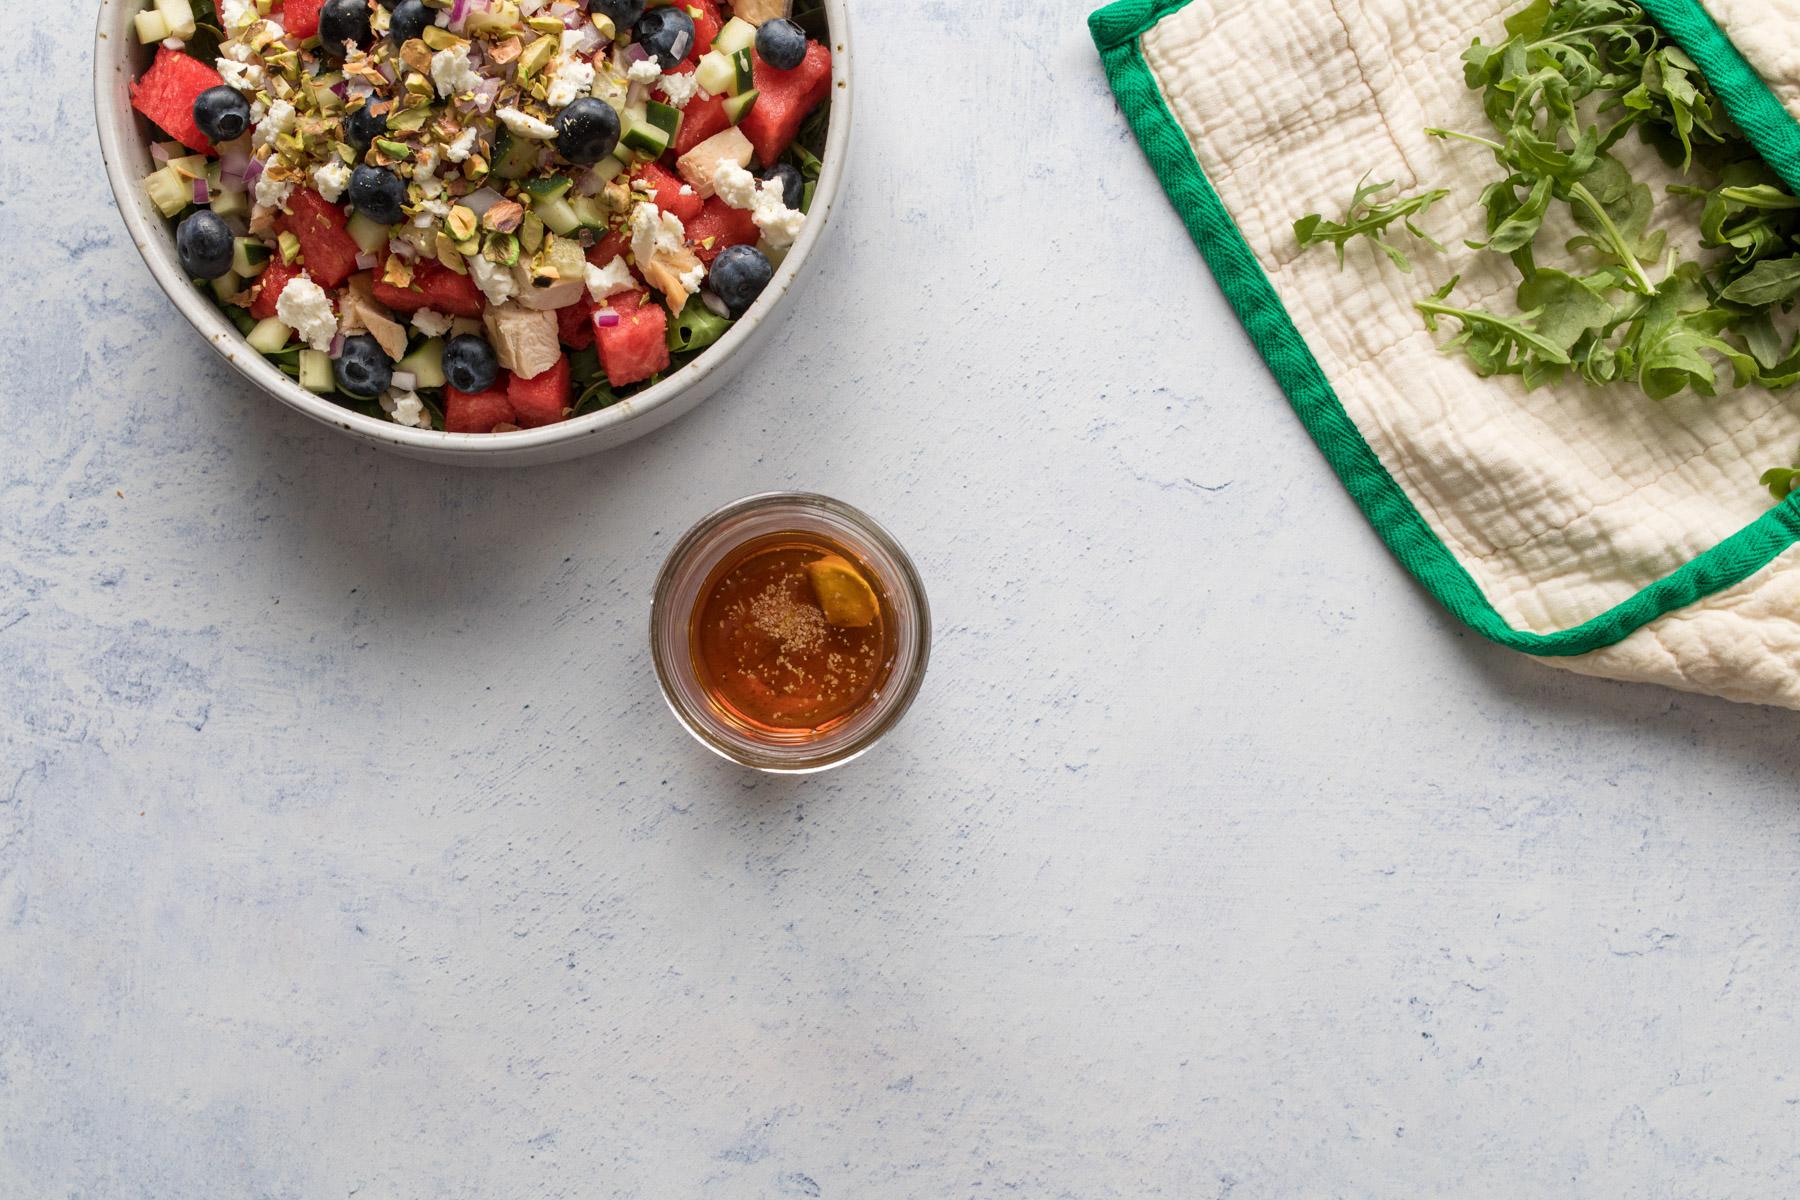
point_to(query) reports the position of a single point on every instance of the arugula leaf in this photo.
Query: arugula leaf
(1365, 217)
(1770, 281)
(1497, 345)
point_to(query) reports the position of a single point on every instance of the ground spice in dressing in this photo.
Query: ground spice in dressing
(764, 650)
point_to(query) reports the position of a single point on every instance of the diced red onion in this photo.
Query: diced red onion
(202, 193)
(484, 93)
(635, 53)
(253, 172)
(337, 343)
(587, 38)
(340, 89)
(458, 11)
(480, 200)
(160, 152)
(605, 318)
(358, 88)
(386, 69)
(233, 162)
(714, 305)
(589, 183)
(366, 261)
(405, 381)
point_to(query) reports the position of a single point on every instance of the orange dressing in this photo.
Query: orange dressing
(764, 650)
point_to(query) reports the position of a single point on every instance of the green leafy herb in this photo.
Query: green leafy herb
(1570, 79)
(1366, 217)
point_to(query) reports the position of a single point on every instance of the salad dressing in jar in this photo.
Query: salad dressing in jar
(790, 632)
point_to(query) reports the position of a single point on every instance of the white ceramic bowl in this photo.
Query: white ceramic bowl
(125, 147)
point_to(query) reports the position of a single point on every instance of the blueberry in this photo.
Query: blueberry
(366, 124)
(624, 13)
(470, 364)
(781, 44)
(204, 244)
(343, 21)
(378, 194)
(222, 113)
(793, 184)
(667, 33)
(408, 21)
(587, 130)
(738, 277)
(363, 368)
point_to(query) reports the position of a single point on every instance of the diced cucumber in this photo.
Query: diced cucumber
(547, 188)
(231, 204)
(269, 336)
(736, 34)
(226, 286)
(426, 364)
(558, 215)
(151, 27)
(715, 72)
(738, 107)
(744, 73)
(168, 191)
(179, 15)
(514, 157)
(315, 372)
(589, 211)
(189, 166)
(663, 116)
(369, 235)
(608, 168)
(249, 257)
(646, 139)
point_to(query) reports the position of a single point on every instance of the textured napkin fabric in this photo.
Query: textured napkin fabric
(1611, 534)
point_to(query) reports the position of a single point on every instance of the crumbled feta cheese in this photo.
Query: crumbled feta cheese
(571, 78)
(279, 121)
(765, 201)
(429, 213)
(653, 230)
(425, 165)
(452, 73)
(462, 147)
(680, 88)
(431, 323)
(614, 277)
(495, 281)
(245, 77)
(734, 185)
(646, 70)
(305, 308)
(685, 190)
(273, 193)
(173, 43)
(525, 125)
(237, 14)
(405, 408)
(693, 277)
(331, 179)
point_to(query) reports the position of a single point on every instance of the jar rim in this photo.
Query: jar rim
(694, 556)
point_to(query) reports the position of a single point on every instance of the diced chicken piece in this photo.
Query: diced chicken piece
(666, 273)
(757, 12)
(698, 165)
(360, 312)
(524, 339)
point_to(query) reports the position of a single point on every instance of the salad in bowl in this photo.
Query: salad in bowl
(481, 216)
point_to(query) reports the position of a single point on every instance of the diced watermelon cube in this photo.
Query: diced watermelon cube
(541, 399)
(574, 329)
(706, 28)
(636, 348)
(275, 276)
(615, 243)
(668, 192)
(723, 226)
(324, 235)
(784, 99)
(477, 412)
(167, 91)
(301, 17)
(699, 121)
(434, 286)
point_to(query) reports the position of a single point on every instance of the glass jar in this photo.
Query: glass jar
(687, 572)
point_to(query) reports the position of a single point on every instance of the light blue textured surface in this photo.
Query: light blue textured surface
(346, 848)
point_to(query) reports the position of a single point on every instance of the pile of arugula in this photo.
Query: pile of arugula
(1571, 79)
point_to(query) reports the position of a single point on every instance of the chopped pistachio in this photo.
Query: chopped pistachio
(503, 216)
(289, 245)
(531, 233)
(461, 223)
(393, 149)
(449, 256)
(440, 39)
(501, 248)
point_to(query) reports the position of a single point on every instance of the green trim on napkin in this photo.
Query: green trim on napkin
(1117, 29)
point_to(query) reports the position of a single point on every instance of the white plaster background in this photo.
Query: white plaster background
(346, 849)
